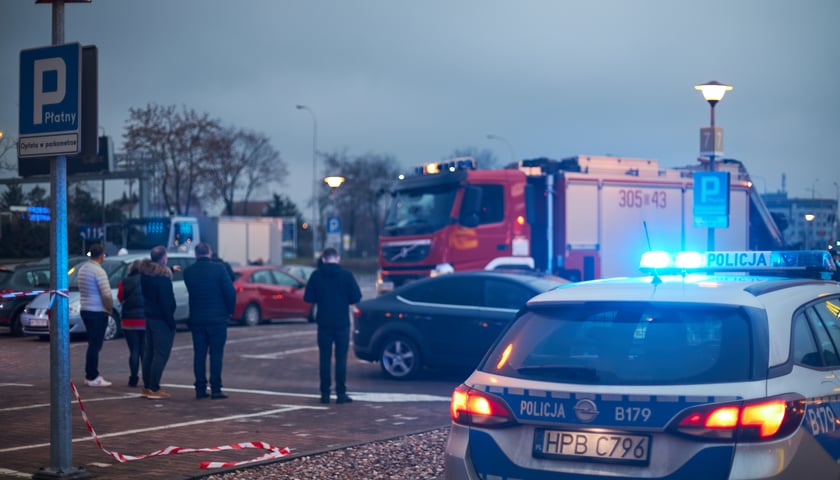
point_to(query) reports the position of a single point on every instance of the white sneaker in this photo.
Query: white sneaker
(98, 382)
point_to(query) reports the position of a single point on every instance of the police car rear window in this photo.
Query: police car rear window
(626, 343)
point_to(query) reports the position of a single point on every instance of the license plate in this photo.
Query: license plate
(38, 322)
(601, 447)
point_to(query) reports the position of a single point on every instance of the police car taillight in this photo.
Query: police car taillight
(472, 407)
(749, 421)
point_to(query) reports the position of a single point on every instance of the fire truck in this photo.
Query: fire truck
(581, 218)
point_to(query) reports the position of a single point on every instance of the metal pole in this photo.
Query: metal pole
(61, 439)
(710, 241)
(316, 223)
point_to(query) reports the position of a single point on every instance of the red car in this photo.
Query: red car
(265, 292)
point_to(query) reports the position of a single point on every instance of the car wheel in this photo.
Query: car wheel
(400, 358)
(113, 329)
(251, 316)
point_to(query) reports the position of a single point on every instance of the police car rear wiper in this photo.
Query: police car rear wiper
(585, 374)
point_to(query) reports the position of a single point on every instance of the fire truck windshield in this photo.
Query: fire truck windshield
(419, 211)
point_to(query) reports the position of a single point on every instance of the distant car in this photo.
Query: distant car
(19, 284)
(35, 317)
(265, 292)
(445, 321)
(715, 366)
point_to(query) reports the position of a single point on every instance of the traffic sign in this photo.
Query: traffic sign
(334, 225)
(711, 199)
(50, 101)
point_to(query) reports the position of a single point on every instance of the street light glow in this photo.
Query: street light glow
(713, 91)
(334, 182)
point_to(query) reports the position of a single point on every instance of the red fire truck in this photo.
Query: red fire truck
(582, 218)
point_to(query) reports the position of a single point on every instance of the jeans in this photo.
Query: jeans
(95, 324)
(326, 338)
(159, 339)
(212, 338)
(135, 339)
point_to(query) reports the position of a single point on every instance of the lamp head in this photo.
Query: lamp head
(713, 91)
(334, 182)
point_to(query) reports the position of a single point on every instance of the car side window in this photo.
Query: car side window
(447, 291)
(805, 351)
(825, 318)
(508, 295)
(281, 278)
(262, 276)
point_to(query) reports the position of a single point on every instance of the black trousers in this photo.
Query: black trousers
(327, 337)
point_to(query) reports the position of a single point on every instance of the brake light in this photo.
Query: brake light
(472, 407)
(749, 421)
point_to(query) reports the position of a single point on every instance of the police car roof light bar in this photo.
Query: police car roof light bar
(659, 262)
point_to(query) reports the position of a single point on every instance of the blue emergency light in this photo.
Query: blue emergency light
(737, 261)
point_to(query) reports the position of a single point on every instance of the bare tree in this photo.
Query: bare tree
(484, 158)
(175, 142)
(7, 162)
(363, 198)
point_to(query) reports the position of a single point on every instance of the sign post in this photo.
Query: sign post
(50, 125)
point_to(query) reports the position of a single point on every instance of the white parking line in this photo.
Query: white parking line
(86, 438)
(230, 341)
(374, 397)
(276, 355)
(87, 400)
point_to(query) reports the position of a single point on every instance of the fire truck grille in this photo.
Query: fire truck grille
(405, 253)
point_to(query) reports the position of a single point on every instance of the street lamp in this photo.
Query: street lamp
(334, 230)
(713, 92)
(491, 136)
(315, 221)
(809, 233)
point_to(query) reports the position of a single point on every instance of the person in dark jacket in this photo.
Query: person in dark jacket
(159, 309)
(212, 300)
(332, 289)
(130, 295)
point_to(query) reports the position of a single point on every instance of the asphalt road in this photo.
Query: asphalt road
(270, 373)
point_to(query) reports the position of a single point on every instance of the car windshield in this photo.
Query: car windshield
(607, 343)
(420, 211)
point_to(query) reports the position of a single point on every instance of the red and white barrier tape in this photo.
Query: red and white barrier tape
(22, 294)
(273, 452)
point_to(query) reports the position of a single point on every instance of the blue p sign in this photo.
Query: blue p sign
(50, 101)
(711, 199)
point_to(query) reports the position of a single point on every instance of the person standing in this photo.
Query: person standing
(159, 309)
(96, 305)
(130, 295)
(212, 300)
(332, 289)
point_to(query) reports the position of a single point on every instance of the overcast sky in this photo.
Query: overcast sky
(417, 80)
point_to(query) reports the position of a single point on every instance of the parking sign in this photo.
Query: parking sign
(50, 101)
(711, 199)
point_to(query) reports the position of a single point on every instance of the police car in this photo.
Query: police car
(723, 365)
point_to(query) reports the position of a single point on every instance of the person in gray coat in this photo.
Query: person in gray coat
(212, 300)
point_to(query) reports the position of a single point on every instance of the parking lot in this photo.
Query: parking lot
(270, 373)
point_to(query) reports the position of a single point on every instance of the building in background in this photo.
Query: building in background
(806, 223)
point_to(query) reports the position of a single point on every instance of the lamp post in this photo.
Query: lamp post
(711, 140)
(316, 223)
(491, 136)
(809, 233)
(334, 225)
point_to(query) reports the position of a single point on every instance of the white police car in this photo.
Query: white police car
(723, 365)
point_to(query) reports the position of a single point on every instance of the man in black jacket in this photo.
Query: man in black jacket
(212, 300)
(159, 308)
(333, 289)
